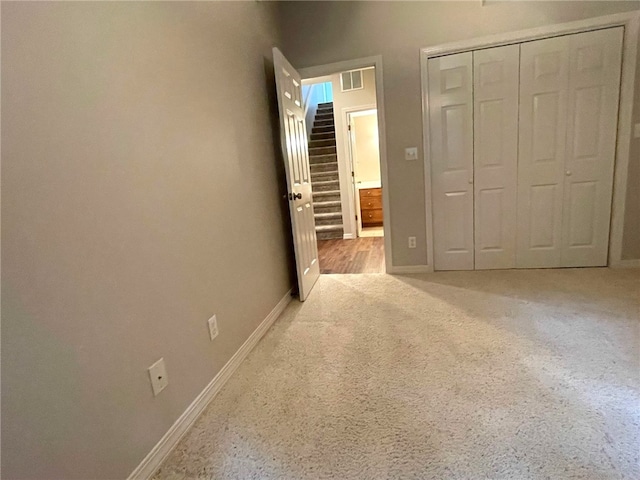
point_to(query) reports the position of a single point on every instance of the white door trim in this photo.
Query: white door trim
(631, 23)
(376, 61)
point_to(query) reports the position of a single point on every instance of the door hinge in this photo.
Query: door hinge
(349, 127)
(353, 174)
(356, 218)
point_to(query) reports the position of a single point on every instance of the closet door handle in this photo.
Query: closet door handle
(568, 173)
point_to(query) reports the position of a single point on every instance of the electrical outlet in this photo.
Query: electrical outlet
(411, 153)
(158, 376)
(213, 327)
(412, 242)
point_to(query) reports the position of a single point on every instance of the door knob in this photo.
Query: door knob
(568, 173)
(295, 196)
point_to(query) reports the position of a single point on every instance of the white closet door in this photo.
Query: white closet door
(451, 145)
(544, 81)
(495, 92)
(594, 86)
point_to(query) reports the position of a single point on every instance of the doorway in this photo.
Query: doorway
(364, 154)
(344, 155)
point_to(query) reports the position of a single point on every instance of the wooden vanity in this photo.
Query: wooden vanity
(371, 206)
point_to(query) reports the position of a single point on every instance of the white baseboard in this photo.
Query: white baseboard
(635, 263)
(348, 236)
(167, 443)
(399, 269)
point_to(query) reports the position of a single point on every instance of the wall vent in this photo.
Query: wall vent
(351, 80)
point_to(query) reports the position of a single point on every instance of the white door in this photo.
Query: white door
(364, 155)
(451, 145)
(544, 81)
(495, 158)
(293, 135)
(594, 80)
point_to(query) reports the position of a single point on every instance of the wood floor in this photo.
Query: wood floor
(362, 255)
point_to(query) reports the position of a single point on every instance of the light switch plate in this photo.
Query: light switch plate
(411, 153)
(158, 376)
(213, 327)
(636, 130)
(412, 242)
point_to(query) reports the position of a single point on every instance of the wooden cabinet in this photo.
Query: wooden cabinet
(371, 207)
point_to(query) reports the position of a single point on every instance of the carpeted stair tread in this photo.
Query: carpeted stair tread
(327, 193)
(323, 136)
(327, 203)
(328, 228)
(323, 158)
(323, 167)
(328, 142)
(322, 151)
(321, 176)
(323, 129)
(327, 182)
(328, 215)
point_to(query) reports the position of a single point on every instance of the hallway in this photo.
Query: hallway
(521, 374)
(360, 255)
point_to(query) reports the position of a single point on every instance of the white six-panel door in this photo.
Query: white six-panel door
(293, 135)
(522, 145)
(594, 80)
(495, 157)
(544, 80)
(451, 125)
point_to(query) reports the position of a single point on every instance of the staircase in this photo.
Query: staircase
(325, 182)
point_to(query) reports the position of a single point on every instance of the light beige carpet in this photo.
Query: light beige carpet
(471, 375)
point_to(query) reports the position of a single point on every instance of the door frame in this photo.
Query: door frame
(350, 113)
(631, 23)
(355, 64)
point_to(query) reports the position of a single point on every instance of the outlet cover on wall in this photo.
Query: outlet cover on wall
(412, 242)
(213, 327)
(158, 376)
(411, 153)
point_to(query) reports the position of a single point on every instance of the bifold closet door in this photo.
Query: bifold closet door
(495, 133)
(451, 146)
(569, 88)
(594, 87)
(544, 81)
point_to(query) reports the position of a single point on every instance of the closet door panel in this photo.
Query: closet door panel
(495, 93)
(451, 147)
(544, 82)
(594, 79)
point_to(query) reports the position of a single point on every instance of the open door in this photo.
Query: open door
(293, 136)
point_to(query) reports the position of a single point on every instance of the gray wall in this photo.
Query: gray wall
(318, 33)
(140, 195)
